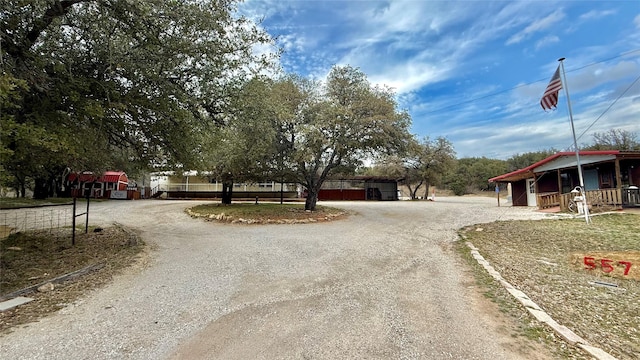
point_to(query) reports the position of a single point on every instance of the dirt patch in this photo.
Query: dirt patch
(29, 260)
(617, 264)
(591, 296)
(5, 231)
(265, 214)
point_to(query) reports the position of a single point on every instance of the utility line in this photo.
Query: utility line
(610, 106)
(526, 84)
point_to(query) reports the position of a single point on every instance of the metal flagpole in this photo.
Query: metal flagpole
(575, 144)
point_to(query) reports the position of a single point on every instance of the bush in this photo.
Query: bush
(459, 188)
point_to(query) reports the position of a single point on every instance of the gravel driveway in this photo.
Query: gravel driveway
(382, 284)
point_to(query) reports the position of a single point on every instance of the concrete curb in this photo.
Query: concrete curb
(10, 304)
(537, 312)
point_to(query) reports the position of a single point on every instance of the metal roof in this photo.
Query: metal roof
(585, 158)
(565, 162)
(107, 177)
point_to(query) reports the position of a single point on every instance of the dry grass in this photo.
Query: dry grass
(28, 259)
(546, 260)
(13, 203)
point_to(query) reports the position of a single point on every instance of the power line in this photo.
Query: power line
(526, 84)
(610, 106)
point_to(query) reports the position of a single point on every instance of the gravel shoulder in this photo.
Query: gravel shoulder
(383, 283)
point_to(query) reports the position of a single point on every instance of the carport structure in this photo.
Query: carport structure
(359, 188)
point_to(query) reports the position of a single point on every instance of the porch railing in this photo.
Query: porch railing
(603, 199)
(263, 187)
(548, 200)
(631, 196)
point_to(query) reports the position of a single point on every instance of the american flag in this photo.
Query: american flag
(550, 98)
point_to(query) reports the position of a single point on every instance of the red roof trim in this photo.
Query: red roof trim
(113, 177)
(119, 173)
(551, 158)
(107, 177)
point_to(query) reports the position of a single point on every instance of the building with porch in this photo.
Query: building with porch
(611, 178)
(195, 185)
(203, 185)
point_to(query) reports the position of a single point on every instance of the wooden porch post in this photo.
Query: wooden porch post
(535, 188)
(559, 182)
(618, 181)
(618, 175)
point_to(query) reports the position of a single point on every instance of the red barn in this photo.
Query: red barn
(114, 180)
(87, 184)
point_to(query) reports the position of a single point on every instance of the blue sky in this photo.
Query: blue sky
(474, 71)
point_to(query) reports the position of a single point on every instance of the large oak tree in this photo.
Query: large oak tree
(337, 124)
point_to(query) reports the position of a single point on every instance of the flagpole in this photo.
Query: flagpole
(575, 143)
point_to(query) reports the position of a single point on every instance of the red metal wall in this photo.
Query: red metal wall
(337, 194)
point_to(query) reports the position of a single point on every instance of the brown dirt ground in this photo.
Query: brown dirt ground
(546, 260)
(36, 258)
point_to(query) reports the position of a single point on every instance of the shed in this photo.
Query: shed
(114, 180)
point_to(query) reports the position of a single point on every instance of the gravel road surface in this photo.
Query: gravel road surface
(382, 284)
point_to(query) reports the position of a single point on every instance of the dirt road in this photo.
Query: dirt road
(382, 284)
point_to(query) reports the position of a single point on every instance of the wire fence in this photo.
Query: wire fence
(56, 220)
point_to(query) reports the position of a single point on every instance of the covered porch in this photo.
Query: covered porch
(597, 200)
(611, 180)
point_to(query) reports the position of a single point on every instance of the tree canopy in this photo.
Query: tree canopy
(423, 163)
(472, 174)
(334, 125)
(614, 139)
(96, 84)
(520, 161)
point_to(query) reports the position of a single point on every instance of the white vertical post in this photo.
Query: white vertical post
(575, 143)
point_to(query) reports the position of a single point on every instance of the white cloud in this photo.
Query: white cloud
(595, 76)
(546, 41)
(408, 45)
(405, 78)
(537, 26)
(595, 14)
(290, 42)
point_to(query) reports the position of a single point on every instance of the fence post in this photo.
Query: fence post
(86, 219)
(73, 223)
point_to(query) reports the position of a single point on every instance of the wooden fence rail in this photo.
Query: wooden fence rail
(603, 198)
(548, 200)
